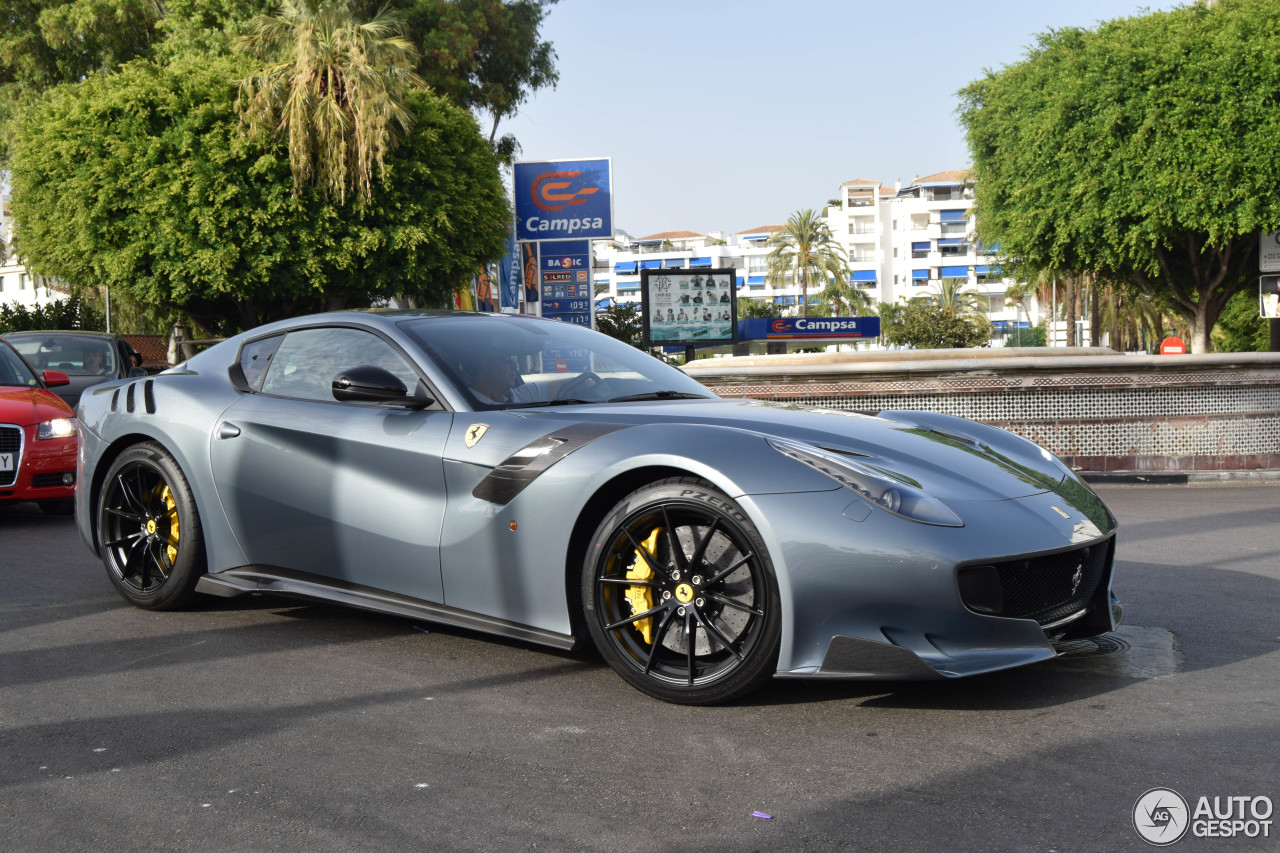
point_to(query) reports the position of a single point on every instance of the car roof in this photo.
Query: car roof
(80, 333)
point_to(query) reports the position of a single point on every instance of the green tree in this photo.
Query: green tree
(143, 181)
(1145, 150)
(957, 294)
(621, 321)
(484, 54)
(806, 251)
(1241, 327)
(758, 309)
(74, 312)
(337, 88)
(924, 324)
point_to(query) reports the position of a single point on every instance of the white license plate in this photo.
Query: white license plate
(6, 461)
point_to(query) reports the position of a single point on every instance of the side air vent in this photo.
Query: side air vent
(115, 400)
(128, 398)
(149, 397)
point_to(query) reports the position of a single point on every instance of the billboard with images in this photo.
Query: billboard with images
(689, 307)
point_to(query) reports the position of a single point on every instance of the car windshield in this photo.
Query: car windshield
(74, 355)
(13, 371)
(500, 362)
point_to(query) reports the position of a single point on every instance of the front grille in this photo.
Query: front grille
(11, 442)
(1045, 588)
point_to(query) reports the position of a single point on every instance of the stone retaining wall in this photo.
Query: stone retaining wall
(1098, 410)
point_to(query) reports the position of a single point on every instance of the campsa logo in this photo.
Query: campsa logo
(781, 325)
(554, 191)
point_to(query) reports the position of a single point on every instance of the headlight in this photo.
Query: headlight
(876, 488)
(58, 428)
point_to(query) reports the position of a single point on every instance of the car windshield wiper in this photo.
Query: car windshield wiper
(538, 404)
(658, 395)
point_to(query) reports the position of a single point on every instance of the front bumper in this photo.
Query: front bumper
(43, 467)
(881, 598)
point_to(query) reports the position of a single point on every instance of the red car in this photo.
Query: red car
(38, 437)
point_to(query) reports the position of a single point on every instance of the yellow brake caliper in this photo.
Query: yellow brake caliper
(641, 597)
(170, 509)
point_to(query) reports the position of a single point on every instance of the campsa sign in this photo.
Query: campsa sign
(562, 199)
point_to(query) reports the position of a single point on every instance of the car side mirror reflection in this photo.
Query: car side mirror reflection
(367, 383)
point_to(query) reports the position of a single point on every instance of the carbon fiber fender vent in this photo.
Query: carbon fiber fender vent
(128, 398)
(115, 400)
(149, 397)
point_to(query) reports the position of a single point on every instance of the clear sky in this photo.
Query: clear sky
(725, 115)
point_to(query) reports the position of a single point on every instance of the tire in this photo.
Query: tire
(711, 581)
(149, 529)
(59, 506)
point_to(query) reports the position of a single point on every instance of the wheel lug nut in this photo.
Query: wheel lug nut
(697, 580)
(675, 575)
(700, 602)
(666, 595)
(680, 611)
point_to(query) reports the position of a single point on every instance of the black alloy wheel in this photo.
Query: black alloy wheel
(680, 596)
(149, 530)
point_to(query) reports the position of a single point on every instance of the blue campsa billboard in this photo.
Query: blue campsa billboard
(562, 199)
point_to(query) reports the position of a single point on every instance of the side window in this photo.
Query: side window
(255, 357)
(304, 364)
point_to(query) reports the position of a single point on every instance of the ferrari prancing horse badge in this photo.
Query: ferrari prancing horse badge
(475, 432)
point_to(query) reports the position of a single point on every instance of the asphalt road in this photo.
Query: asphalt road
(268, 724)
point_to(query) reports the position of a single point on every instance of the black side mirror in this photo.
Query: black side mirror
(369, 384)
(135, 372)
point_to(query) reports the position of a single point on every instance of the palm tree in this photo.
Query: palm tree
(338, 87)
(955, 293)
(805, 250)
(845, 298)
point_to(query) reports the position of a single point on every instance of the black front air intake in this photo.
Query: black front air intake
(1046, 588)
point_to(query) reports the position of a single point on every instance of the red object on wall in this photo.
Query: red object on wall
(1173, 346)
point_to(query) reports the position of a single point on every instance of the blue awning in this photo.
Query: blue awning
(955, 215)
(600, 282)
(673, 263)
(919, 273)
(863, 275)
(950, 241)
(739, 281)
(920, 247)
(784, 300)
(755, 279)
(699, 262)
(955, 272)
(625, 266)
(651, 265)
(987, 270)
(604, 303)
(628, 285)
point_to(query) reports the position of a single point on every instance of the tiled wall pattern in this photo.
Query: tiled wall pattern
(1193, 421)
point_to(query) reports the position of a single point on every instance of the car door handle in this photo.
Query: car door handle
(228, 430)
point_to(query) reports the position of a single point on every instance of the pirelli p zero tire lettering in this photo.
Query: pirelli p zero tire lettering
(680, 596)
(149, 530)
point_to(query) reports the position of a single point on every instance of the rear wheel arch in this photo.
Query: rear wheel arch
(105, 460)
(147, 526)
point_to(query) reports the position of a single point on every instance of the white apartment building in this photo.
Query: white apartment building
(900, 242)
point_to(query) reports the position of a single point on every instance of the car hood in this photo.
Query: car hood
(948, 457)
(26, 406)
